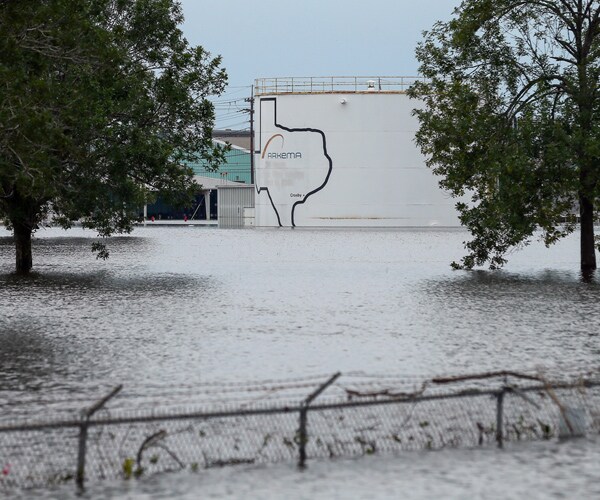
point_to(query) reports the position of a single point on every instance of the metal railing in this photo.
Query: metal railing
(329, 84)
(348, 415)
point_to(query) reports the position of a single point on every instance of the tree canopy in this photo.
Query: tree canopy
(510, 121)
(102, 102)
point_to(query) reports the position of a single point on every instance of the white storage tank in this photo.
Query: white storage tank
(340, 151)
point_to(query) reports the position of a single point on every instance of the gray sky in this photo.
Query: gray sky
(278, 38)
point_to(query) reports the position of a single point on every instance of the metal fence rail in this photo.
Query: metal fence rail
(328, 84)
(280, 421)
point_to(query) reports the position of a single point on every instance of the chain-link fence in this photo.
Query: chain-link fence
(125, 436)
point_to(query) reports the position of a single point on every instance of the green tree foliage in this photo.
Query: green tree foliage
(101, 104)
(510, 121)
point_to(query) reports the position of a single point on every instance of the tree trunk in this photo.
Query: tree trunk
(22, 234)
(588, 247)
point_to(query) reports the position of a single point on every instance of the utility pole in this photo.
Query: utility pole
(252, 135)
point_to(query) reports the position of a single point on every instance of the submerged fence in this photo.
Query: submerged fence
(125, 436)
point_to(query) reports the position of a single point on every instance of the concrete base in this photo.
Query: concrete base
(178, 222)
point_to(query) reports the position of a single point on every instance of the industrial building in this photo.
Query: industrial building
(236, 170)
(327, 152)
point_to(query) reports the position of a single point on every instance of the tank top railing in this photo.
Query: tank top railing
(325, 84)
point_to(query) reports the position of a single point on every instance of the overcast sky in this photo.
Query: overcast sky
(279, 38)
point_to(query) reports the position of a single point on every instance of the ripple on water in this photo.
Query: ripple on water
(185, 304)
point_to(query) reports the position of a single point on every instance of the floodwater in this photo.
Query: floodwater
(534, 471)
(180, 305)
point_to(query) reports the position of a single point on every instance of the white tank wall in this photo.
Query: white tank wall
(378, 177)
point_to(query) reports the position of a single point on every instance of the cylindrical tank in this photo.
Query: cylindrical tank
(340, 151)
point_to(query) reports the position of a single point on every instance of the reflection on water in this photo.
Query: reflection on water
(76, 322)
(52, 322)
(24, 358)
(547, 317)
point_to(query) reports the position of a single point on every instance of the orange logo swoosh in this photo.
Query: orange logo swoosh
(269, 142)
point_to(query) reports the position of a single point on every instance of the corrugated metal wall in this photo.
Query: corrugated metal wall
(234, 202)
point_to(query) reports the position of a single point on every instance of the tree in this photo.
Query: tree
(510, 119)
(102, 103)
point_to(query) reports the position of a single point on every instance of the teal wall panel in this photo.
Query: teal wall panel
(235, 169)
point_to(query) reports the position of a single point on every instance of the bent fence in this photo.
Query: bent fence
(122, 436)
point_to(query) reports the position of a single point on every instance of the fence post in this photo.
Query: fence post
(83, 431)
(500, 417)
(79, 477)
(302, 434)
(302, 438)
